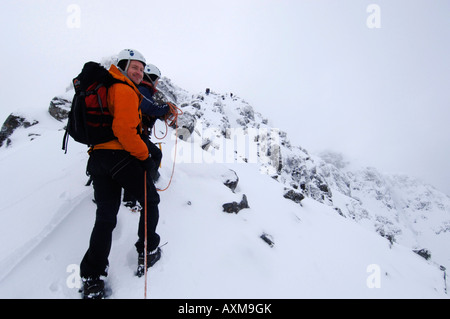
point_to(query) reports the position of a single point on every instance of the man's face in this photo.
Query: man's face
(135, 71)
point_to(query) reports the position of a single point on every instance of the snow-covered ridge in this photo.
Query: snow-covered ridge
(303, 214)
(398, 207)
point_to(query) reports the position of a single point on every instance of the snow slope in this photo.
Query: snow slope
(47, 215)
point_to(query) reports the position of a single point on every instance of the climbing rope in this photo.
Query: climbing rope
(170, 119)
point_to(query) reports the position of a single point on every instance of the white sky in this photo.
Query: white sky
(380, 96)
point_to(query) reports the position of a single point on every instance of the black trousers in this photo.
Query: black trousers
(111, 171)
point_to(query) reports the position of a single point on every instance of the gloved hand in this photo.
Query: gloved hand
(149, 165)
(151, 168)
(172, 115)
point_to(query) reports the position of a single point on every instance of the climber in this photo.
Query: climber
(121, 163)
(153, 107)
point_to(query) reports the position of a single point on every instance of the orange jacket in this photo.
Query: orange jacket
(123, 104)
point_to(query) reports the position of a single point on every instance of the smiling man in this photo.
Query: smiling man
(116, 164)
(132, 64)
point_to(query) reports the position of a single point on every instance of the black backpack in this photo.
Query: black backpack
(89, 121)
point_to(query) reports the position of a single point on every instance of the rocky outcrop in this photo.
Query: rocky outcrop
(235, 207)
(13, 122)
(59, 108)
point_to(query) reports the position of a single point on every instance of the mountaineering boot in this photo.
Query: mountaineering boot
(152, 258)
(130, 203)
(133, 206)
(93, 288)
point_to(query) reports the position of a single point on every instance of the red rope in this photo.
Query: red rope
(145, 238)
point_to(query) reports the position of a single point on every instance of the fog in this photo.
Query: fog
(368, 79)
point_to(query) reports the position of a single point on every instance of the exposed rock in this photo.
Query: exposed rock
(166, 86)
(186, 125)
(235, 207)
(296, 197)
(11, 123)
(425, 253)
(230, 180)
(267, 239)
(59, 108)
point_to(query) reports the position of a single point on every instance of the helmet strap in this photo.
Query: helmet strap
(149, 79)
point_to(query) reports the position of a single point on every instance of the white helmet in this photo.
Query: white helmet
(152, 72)
(128, 55)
